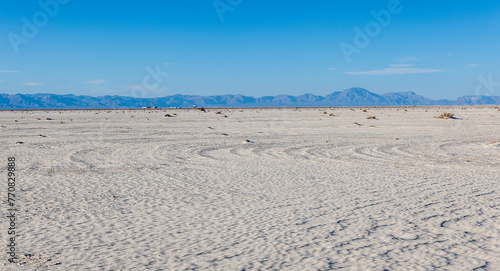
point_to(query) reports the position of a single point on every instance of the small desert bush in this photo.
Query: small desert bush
(446, 116)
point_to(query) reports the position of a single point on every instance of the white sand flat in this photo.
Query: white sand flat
(284, 189)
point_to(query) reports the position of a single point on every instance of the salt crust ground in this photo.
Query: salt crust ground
(285, 189)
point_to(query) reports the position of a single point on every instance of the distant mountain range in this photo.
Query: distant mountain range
(348, 97)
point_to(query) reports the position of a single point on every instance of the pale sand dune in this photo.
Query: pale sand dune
(284, 189)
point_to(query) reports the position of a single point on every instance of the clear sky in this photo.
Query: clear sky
(439, 49)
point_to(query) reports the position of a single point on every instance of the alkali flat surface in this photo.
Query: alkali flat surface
(285, 189)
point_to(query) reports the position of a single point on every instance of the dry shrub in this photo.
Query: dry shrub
(446, 116)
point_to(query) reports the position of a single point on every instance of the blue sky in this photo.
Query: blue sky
(439, 49)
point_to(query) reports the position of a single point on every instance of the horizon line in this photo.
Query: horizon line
(200, 95)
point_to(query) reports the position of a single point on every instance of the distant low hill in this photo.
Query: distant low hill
(348, 97)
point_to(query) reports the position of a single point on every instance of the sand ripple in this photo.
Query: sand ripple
(282, 190)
